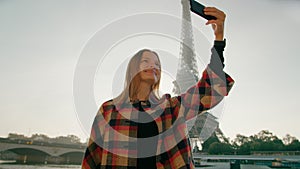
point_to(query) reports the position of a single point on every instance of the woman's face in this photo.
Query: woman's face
(149, 67)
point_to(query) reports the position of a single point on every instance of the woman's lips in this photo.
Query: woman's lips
(150, 72)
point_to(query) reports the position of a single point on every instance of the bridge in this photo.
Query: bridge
(42, 152)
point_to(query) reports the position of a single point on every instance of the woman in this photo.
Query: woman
(139, 129)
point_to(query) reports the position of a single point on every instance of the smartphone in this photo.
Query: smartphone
(198, 8)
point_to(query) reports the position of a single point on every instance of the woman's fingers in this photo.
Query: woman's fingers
(211, 22)
(215, 21)
(214, 12)
(218, 23)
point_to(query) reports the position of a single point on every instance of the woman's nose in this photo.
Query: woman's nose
(154, 66)
(151, 65)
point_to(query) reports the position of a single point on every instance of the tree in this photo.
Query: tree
(40, 137)
(240, 140)
(293, 146)
(265, 136)
(220, 149)
(73, 139)
(241, 144)
(263, 141)
(209, 141)
(244, 149)
(288, 139)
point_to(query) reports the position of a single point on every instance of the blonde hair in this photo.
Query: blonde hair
(132, 78)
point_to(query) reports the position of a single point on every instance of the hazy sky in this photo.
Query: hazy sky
(42, 41)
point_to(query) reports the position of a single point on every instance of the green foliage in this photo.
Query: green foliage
(209, 141)
(243, 145)
(293, 146)
(220, 148)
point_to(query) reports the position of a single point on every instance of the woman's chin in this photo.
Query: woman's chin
(150, 80)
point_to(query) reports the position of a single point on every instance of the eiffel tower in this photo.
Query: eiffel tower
(204, 125)
(187, 73)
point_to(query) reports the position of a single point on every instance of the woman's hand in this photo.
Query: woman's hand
(217, 24)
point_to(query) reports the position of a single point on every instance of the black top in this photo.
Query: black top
(147, 129)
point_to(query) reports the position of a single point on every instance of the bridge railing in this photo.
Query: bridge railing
(43, 143)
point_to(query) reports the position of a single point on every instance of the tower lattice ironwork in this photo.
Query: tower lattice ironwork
(187, 75)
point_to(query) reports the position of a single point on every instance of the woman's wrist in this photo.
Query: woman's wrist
(219, 37)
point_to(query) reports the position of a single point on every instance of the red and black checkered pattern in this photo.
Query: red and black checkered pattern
(112, 143)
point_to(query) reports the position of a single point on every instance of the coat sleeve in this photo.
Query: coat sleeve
(206, 94)
(209, 91)
(93, 154)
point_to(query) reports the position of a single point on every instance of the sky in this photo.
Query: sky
(44, 43)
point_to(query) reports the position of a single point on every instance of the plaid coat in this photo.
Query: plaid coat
(112, 143)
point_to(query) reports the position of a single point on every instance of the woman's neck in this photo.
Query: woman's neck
(144, 91)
